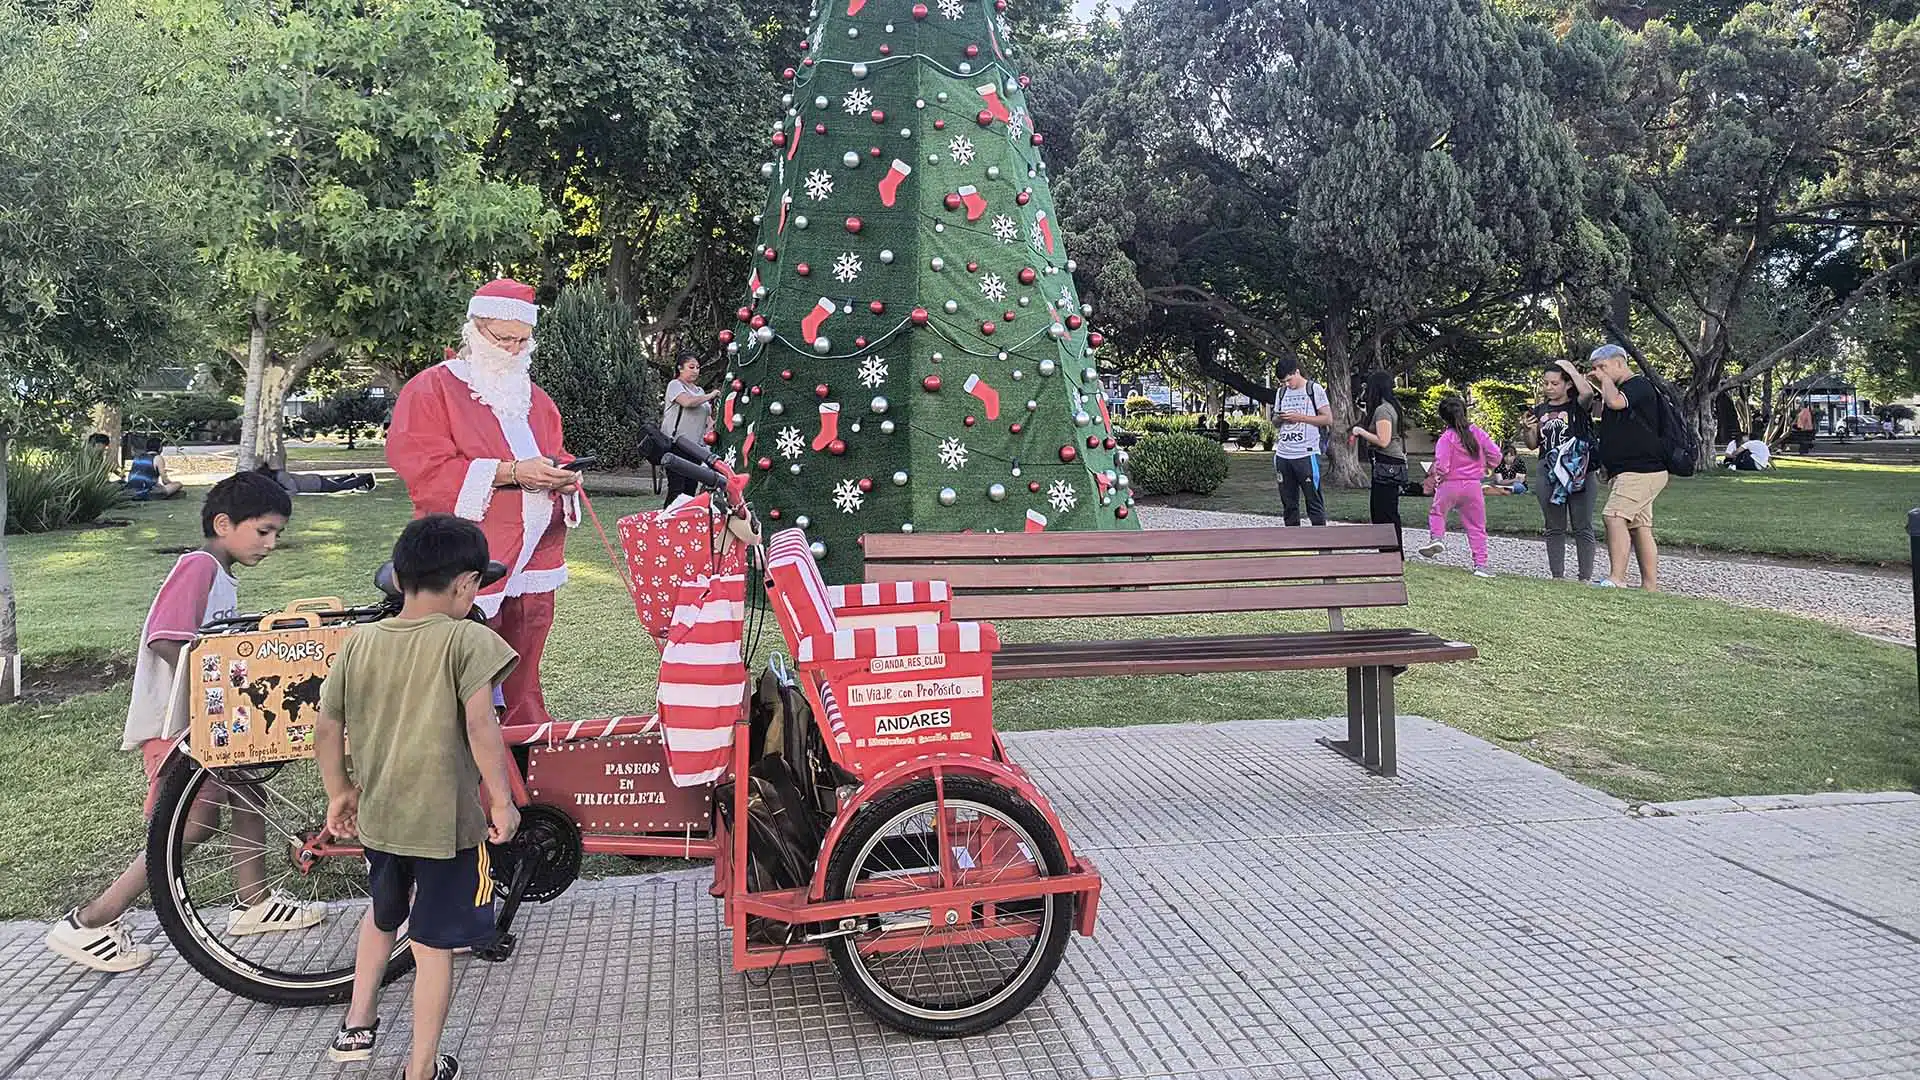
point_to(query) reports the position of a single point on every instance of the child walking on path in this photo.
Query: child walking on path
(415, 693)
(241, 520)
(1460, 461)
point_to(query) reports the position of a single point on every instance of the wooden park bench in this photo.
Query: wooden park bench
(1001, 577)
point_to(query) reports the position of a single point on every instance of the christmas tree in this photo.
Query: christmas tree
(912, 353)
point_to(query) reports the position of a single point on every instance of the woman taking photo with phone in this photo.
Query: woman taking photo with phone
(1386, 446)
(1561, 428)
(688, 414)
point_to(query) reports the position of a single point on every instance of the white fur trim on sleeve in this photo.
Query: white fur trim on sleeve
(570, 509)
(476, 491)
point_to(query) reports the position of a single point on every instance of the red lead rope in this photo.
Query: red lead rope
(619, 564)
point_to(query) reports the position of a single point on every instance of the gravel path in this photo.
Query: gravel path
(1878, 605)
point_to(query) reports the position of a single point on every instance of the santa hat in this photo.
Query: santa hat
(504, 298)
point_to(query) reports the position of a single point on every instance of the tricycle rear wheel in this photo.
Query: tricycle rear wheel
(897, 966)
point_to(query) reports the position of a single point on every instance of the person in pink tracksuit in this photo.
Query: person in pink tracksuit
(1460, 459)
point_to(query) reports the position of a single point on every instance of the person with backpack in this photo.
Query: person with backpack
(1561, 428)
(1300, 414)
(1634, 435)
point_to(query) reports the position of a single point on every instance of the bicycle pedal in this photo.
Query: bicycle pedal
(500, 950)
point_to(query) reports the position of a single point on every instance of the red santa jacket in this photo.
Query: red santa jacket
(446, 445)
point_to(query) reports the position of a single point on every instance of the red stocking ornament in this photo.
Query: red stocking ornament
(890, 183)
(829, 425)
(990, 97)
(988, 396)
(975, 203)
(810, 326)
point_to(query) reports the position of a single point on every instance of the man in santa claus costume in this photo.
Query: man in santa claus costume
(474, 437)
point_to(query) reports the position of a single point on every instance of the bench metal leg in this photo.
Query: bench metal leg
(1371, 735)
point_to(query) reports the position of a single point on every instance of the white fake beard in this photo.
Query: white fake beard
(499, 378)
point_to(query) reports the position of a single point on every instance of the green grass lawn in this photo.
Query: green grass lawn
(1802, 509)
(1643, 696)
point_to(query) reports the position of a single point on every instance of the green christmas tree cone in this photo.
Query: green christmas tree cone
(912, 354)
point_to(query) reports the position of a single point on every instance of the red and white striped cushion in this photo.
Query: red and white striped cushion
(881, 594)
(702, 678)
(801, 601)
(551, 732)
(920, 639)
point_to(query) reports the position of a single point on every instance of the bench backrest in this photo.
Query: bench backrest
(1153, 572)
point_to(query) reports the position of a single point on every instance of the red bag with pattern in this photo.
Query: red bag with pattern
(665, 548)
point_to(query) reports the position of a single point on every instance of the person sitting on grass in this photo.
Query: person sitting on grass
(147, 477)
(241, 518)
(1510, 476)
(415, 694)
(1752, 455)
(101, 447)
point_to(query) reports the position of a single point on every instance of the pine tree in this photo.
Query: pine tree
(913, 353)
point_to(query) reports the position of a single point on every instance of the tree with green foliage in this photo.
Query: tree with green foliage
(350, 413)
(1348, 179)
(101, 112)
(356, 215)
(591, 364)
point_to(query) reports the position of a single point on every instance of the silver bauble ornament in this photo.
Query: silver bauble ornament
(920, 103)
(822, 345)
(951, 306)
(763, 335)
(1016, 470)
(850, 159)
(1048, 367)
(820, 102)
(799, 221)
(906, 133)
(886, 255)
(766, 170)
(948, 496)
(878, 404)
(760, 293)
(937, 263)
(853, 31)
(966, 68)
(997, 492)
(906, 526)
(775, 408)
(1017, 373)
(859, 71)
(794, 468)
(1090, 374)
(886, 427)
(854, 427)
(1026, 301)
(941, 97)
(801, 522)
(900, 478)
(1032, 405)
(1081, 419)
(1123, 481)
(819, 549)
(937, 357)
(733, 348)
(939, 226)
(1072, 266)
(993, 172)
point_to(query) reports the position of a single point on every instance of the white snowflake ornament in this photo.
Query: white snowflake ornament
(953, 454)
(846, 267)
(873, 372)
(846, 496)
(952, 9)
(960, 149)
(1005, 229)
(790, 442)
(819, 185)
(858, 100)
(994, 289)
(1062, 496)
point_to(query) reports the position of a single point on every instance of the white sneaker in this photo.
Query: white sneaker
(1605, 583)
(105, 948)
(278, 911)
(1481, 571)
(1433, 550)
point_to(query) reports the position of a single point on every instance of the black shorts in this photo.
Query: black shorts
(449, 901)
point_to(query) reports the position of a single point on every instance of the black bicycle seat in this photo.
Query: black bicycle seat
(388, 585)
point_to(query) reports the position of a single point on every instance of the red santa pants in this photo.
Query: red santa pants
(523, 622)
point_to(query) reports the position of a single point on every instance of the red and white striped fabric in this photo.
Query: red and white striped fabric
(801, 600)
(551, 732)
(886, 594)
(917, 640)
(703, 680)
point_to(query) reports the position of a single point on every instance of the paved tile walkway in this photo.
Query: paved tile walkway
(1270, 912)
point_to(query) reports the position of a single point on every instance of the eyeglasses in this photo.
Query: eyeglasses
(505, 341)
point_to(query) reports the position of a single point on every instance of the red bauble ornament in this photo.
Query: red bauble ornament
(819, 129)
(973, 267)
(1109, 442)
(808, 62)
(919, 316)
(802, 269)
(764, 464)
(726, 336)
(1008, 316)
(711, 438)
(1121, 512)
(1093, 441)
(1096, 340)
(1037, 139)
(788, 74)
(837, 447)
(969, 421)
(821, 391)
(877, 116)
(853, 224)
(1015, 428)
(754, 392)
(743, 314)
(919, 11)
(1027, 275)
(1025, 81)
(770, 254)
(1033, 486)
(779, 138)
(1068, 453)
(786, 373)
(877, 307)
(973, 51)
(739, 385)
(866, 483)
(952, 201)
(939, 125)
(873, 151)
(757, 321)
(1001, 5)
(1023, 198)
(984, 117)
(1074, 322)
(989, 327)
(860, 342)
(931, 384)
(774, 513)
(886, 50)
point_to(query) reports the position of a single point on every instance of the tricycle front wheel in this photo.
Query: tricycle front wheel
(927, 967)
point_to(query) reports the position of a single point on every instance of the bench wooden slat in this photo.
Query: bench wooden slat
(1310, 642)
(881, 548)
(1196, 601)
(1011, 663)
(1139, 575)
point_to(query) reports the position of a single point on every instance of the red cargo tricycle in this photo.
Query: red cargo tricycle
(860, 807)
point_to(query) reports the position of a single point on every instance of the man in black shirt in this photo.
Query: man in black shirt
(1635, 462)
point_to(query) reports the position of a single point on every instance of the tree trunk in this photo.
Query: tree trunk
(1343, 462)
(620, 267)
(269, 431)
(109, 421)
(9, 629)
(256, 375)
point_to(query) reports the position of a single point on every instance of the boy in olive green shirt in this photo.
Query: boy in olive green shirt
(415, 693)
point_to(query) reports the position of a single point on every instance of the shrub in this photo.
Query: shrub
(1138, 404)
(184, 418)
(1496, 406)
(349, 413)
(1168, 464)
(591, 364)
(1150, 424)
(51, 489)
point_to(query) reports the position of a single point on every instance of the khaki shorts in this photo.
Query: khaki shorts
(1632, 498)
